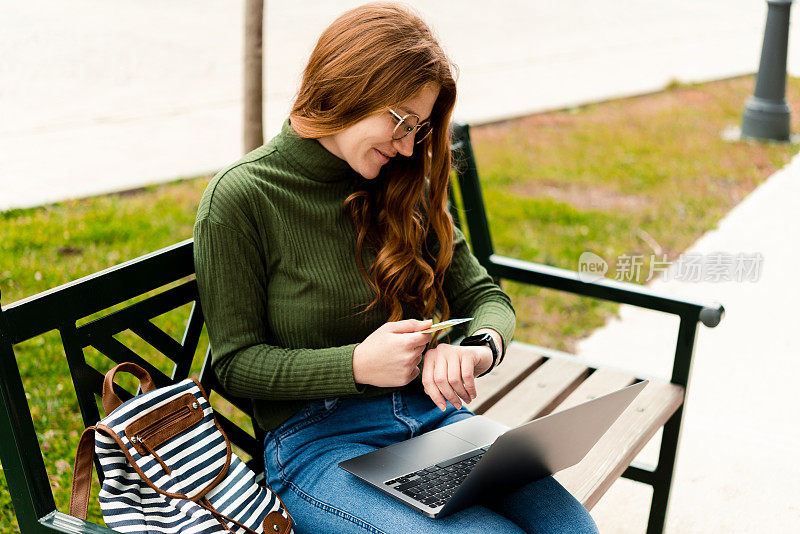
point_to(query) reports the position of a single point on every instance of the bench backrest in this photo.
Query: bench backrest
(122, 299)
(469, 187)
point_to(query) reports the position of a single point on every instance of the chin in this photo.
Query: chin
(369, 173)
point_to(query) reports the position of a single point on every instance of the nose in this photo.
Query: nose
(405, 145)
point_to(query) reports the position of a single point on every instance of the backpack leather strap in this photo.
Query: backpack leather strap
(111, 400)
(82, 475)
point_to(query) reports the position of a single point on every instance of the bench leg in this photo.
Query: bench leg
(25, 473)
(662, 477)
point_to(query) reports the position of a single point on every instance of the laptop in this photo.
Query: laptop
(455, 466)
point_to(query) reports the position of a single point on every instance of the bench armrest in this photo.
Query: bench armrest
(710, 314)
(501, 267)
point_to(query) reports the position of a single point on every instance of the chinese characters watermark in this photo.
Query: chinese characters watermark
(691, 267)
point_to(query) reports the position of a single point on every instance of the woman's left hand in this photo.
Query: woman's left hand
(449, 373)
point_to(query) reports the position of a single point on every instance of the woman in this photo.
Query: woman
(318, 255)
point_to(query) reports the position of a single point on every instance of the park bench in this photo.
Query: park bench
(531, 382)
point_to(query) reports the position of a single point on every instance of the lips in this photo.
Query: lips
(383, 157)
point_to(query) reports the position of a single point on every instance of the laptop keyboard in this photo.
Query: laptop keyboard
(434, 485)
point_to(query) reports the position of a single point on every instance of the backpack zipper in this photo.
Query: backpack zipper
(144, 435)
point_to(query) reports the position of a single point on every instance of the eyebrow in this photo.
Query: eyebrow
(407, 111)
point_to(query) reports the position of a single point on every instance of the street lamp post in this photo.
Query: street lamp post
(767, 115)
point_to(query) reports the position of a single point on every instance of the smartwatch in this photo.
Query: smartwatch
(482, 339)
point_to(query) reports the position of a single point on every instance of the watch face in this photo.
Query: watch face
(480, 339)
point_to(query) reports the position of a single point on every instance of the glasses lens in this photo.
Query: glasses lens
(423, 132)
(405, 127)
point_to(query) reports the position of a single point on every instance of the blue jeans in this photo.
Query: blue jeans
(302, 455)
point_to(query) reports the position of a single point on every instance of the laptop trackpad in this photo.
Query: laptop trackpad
(478, 430)
(432, 447)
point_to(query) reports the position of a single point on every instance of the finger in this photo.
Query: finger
(454, 370)
(427, 380)
(468, 376)
(416, 339)
(420, 353)
(440, 378)
(408, 325)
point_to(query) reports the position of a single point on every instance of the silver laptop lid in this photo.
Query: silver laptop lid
(542, 447)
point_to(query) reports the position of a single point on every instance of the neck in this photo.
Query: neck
(331, 146)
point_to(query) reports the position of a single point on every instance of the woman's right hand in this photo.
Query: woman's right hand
(390, 356)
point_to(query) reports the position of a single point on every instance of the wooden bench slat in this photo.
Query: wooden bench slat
(608, 459)
(517, 364)
(599, 383)
(538, 393)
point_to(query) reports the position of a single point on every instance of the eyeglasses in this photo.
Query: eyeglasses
(408, 124)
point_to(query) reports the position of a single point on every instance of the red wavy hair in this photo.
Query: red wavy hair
(373, 57)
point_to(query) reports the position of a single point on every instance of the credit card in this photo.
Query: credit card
(445, 324)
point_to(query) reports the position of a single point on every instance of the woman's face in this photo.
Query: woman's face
(368, 145)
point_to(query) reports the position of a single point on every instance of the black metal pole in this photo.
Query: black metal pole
(767, 115)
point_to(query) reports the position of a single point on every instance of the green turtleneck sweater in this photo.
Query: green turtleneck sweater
(281, 291)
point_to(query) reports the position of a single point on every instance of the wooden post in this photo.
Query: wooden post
(253, 121)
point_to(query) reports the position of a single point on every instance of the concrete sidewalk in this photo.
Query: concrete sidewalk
(737, 468)
(99, 97)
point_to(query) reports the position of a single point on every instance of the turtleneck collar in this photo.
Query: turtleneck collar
(309, 155)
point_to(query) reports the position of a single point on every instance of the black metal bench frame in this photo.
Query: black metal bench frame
(63, 308)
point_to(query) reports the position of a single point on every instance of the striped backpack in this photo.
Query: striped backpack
(168, 467)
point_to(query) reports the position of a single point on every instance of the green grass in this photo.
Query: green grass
(45, 247)
(605, 178)
(612, 178)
